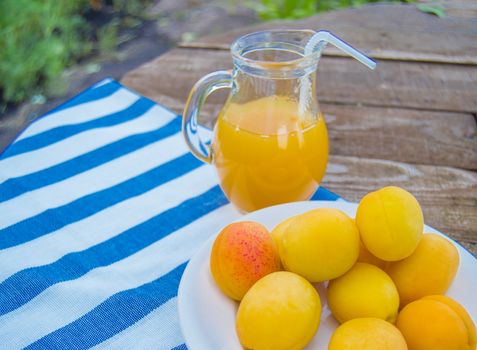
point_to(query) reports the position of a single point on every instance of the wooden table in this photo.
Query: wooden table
(410, 123)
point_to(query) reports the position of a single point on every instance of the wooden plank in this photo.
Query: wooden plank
(403, 134)
(440, 87)
(386, 32)
(408, 135)
(420, 137)
(448, 196)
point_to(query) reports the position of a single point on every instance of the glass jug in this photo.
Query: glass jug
(270, 143)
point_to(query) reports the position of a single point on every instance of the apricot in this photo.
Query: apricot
(429, 324)
(367, 334)
(242, 253)
(320, 244)
(390, 223)
(366, 257)
(462, 312)
(280, 312)
(364, 291)
(279, 230)
(430, 269)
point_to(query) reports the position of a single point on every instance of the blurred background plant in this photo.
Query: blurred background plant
(294, 9)
(40, 38)
(37, 40)
(41, 41)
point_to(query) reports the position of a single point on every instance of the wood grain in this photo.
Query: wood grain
(448, 196)
(403, 134)
(386, 32)
(422, 137)
(441, 87)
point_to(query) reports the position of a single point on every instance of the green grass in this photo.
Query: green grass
(294, 9)
(39, 39)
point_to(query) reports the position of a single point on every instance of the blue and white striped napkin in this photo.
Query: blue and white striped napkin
(101, 207)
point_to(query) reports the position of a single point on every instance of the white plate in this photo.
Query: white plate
(207, 317)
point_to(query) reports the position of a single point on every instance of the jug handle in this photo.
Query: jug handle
(200, 91)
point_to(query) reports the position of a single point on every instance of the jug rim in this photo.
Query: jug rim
(243, 45)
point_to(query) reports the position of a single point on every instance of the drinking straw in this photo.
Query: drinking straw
(315, 45)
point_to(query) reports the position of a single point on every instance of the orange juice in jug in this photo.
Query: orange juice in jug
(266, 153)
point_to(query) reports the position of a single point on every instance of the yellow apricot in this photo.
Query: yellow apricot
(280, 312)
(430, 269)
(366, 257)
(320, 244)
(432, 325)
(462, 312)
(242, 253)
(390, 223)
(364, 291)
(279, 230)
(367, 334)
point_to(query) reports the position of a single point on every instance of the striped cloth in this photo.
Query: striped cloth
(101, 207)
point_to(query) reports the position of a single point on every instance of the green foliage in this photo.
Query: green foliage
(286, 9)
(108, 36)
(38, 38)
(432, 9)
(293, 9)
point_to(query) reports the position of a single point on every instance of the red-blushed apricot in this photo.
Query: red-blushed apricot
(242, 253)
